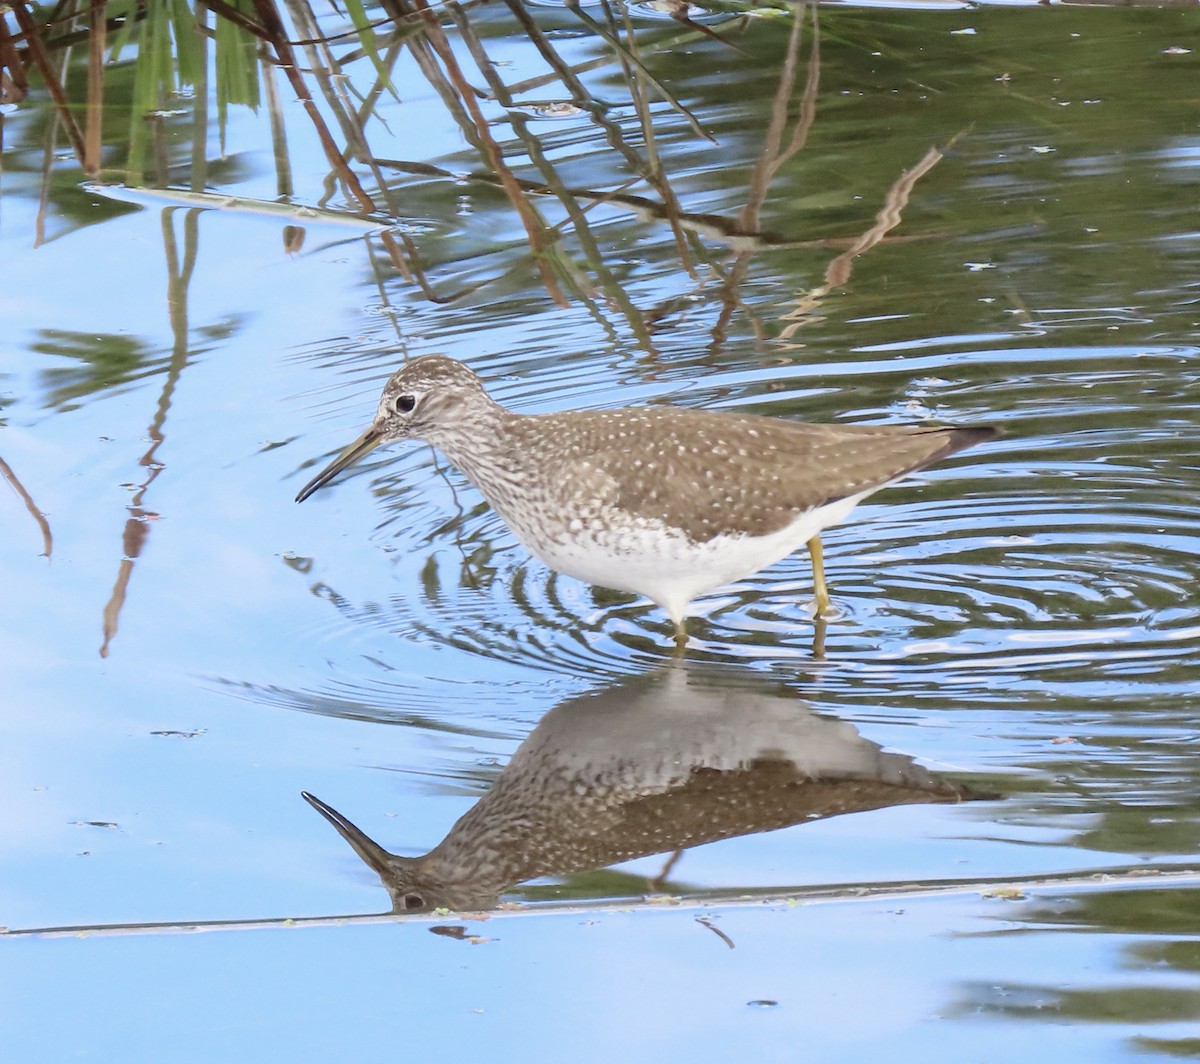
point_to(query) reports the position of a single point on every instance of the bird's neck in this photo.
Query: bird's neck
(484, 447)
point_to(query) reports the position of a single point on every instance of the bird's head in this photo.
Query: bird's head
(423, 398)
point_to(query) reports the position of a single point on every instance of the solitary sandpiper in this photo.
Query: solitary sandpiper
(664, 502)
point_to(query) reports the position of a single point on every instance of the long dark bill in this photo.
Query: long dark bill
(365, 846)
(365, 444)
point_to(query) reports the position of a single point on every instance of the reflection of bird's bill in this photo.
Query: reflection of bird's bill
(364, 445)
(662, 762)
(366, 847)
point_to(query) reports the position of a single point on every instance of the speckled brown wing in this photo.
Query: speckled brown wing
(707, 473)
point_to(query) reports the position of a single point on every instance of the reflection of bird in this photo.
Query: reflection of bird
(654, 765)
(662, 501)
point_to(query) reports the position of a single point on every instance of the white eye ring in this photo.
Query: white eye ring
(404, 404)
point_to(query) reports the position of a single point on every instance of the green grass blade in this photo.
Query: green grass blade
(366, 37)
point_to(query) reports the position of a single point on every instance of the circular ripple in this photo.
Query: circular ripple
(1058, 565)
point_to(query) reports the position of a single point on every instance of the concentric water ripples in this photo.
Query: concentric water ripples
(1039, 565)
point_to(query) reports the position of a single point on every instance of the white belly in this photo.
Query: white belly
(651, 559)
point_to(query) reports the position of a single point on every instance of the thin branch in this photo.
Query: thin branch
(97, 42)
(615, 43)
(535, 228)
(287, 59)
(54, 86)
(47, 539)
(839, 270)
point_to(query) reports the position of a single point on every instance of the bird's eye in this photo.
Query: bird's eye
(405, 403)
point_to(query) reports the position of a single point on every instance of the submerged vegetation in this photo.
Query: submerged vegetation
(337, 66)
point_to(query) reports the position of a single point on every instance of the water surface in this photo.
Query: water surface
(987, 216)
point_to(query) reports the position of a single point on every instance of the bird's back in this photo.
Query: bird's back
(707, 473)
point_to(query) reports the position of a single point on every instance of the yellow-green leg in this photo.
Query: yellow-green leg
(820, 589)
(656, 884)
(820, 625)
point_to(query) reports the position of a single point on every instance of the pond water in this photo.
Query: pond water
(976, 215)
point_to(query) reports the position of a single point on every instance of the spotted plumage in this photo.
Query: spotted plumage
(662, 501)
